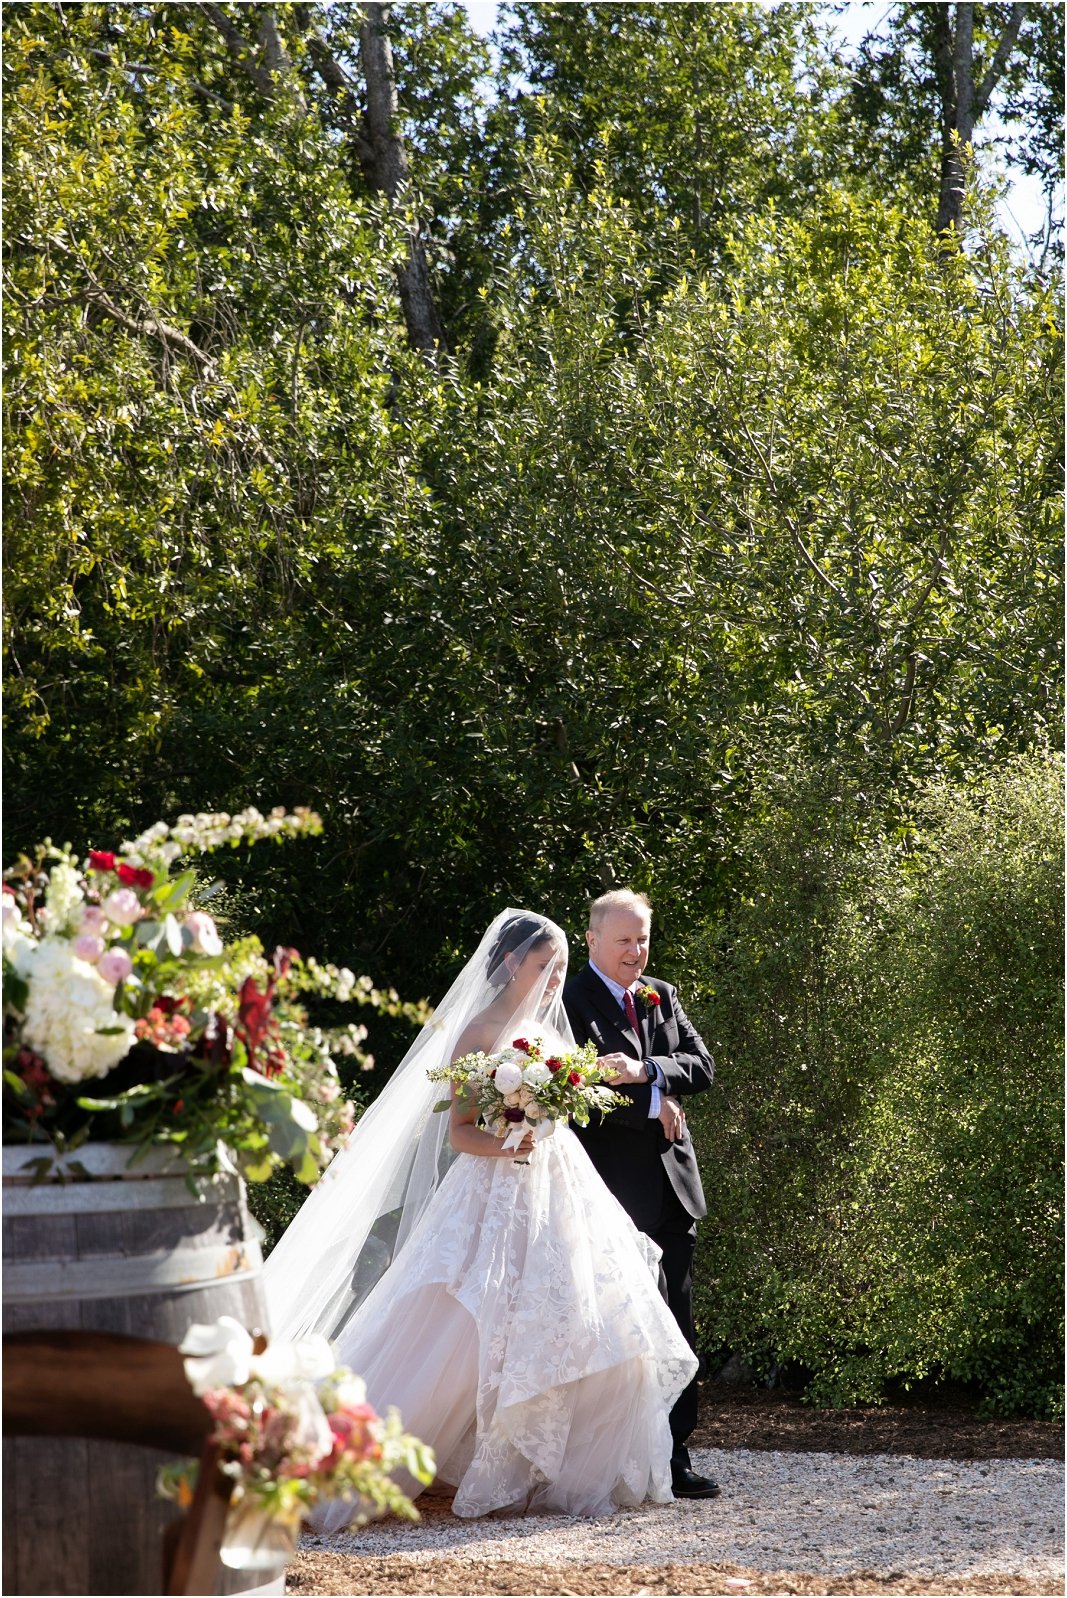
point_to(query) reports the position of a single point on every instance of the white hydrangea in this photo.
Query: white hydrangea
(19, 942)
(63, 898)
(68, 1001)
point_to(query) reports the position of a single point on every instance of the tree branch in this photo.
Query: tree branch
(240, 49)
(144, 69)
(340, 84)
(148, 325)
(1005, 46)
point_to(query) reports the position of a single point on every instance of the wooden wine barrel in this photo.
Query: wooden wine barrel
(119, 1249)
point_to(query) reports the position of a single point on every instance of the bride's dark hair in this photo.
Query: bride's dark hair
(521, 932)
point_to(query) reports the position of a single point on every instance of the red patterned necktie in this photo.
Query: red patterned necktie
(631, 1010)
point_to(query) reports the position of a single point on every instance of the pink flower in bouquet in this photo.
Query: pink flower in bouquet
(93, 919)
(204, 933)
(168, 1031)
(355, 1432)
(115, 966)
(123, 907)
(89, 947)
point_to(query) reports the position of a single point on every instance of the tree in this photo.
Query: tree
(934, 74)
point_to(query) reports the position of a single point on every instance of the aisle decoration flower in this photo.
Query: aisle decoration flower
(293, 1429)
(522, 1089)
(127, 1017)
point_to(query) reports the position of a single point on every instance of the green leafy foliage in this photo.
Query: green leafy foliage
(728, 474)
(887, 1015)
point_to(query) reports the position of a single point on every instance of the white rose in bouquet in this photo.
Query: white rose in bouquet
(67, 1007)
(508, 1077)
(536, 1074)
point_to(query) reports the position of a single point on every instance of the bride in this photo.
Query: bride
(503, 1300)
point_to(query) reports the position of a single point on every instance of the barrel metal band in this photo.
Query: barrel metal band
(182, 1270)
(100, 1198)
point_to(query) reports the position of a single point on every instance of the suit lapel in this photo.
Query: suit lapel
(612, 1010)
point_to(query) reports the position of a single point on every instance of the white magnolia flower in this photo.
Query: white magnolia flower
(536, 1074)
(70, 1014)
(508, 1077)
(219, 1355)
(350, 1392)
(308, 1359)
(203, 933)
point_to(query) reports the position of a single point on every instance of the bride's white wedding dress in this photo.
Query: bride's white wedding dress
(510, 1310)
(522, 1334)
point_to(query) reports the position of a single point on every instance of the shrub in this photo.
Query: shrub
(884, 1137)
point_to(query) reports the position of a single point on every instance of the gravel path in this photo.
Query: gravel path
(826, 1514)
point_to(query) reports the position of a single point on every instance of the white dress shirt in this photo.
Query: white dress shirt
(617, 990)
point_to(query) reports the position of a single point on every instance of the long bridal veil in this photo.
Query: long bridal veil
(370, 1199)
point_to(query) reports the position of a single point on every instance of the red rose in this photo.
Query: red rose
(177, 1107)
(134, 876)
(574, 1079)
(653, 999)
(101, 860)
(521, 1043)
(554, 1064)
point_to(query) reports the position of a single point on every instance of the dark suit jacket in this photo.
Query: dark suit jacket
(627, 1146)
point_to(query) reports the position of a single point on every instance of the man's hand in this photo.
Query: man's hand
(620, 1070)
(672, 1119)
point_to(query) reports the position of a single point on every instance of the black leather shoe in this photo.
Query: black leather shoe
(687, 1484)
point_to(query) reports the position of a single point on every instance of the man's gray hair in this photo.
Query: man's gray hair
(617, 899)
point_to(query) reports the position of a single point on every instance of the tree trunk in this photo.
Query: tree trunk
(375, 135)
(962, 105)
(386, 169)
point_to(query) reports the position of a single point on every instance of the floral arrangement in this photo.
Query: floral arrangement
(649, 996)
(293, 1428)
(127, 1017)
(520, 1089)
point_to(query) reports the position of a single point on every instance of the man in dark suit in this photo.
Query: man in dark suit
(651, 1053)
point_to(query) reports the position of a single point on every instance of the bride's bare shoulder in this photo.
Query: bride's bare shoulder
(478, 1035)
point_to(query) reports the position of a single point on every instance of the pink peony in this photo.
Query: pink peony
(93, 918)
(89, 947)
(123, 907)
(115, 966)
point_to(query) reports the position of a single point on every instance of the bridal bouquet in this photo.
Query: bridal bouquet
(126, 1016)
(292, 1429)
(522, 1089)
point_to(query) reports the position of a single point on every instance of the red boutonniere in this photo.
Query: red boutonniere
(649, 996)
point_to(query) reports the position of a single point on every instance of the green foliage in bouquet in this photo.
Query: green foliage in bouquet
(126, 1016)
(522, 1087)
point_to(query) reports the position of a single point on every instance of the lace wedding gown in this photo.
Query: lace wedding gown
(521, 1333)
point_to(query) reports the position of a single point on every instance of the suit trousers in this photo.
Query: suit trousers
(676, 1235)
